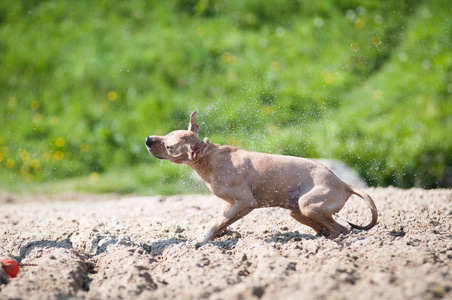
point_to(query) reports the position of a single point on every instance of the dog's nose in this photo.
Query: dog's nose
(148, 141)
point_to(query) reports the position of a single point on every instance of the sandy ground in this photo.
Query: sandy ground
(111, 247)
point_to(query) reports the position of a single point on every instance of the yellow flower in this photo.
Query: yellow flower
(112, 95)
(354, 47)
(229, 58)
(35, 105)
(58, 155)
(376, 40)
(24, 155)
(60, 142)
(12, 102)
(269, 109)
(377, 94)
(10, 163)
(275, 65)
(24, 170)
(84, 147)
(271, 128)
(29, 177)
(360, 23)
(94, 176)
(234, 142)
(329, 78)
(226, 57)
(35, 164)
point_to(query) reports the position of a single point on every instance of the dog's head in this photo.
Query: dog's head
(180, 146)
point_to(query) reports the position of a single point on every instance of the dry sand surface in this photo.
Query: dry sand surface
(111, 247)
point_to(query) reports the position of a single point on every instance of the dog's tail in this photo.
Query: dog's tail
(371, 205)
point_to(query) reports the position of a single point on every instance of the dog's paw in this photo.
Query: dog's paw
(324, 232)
(200, 244)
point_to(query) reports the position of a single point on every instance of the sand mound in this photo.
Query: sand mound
(89, 247)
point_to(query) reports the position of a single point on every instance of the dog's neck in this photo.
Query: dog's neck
(207, 161)
(202, 162)
(200, 151)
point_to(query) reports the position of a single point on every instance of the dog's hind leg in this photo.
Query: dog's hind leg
(297, 215)
(318, 205)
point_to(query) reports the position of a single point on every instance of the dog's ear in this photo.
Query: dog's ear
(193, 126)
(195, 149)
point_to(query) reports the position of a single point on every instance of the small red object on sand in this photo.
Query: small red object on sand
(10, 266)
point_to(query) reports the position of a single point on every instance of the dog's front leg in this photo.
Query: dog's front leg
(229, 214)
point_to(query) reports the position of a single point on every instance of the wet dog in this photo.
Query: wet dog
(248, 180)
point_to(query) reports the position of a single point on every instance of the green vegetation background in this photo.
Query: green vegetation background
(82, 83)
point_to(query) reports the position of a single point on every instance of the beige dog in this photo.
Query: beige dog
(248, 180)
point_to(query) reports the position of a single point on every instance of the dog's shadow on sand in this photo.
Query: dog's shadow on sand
(26, 250)
(286, 237)
(157, 248)
(227, 241)
(233, 237)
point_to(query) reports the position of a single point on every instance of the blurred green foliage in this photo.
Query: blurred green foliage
(83, 83)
